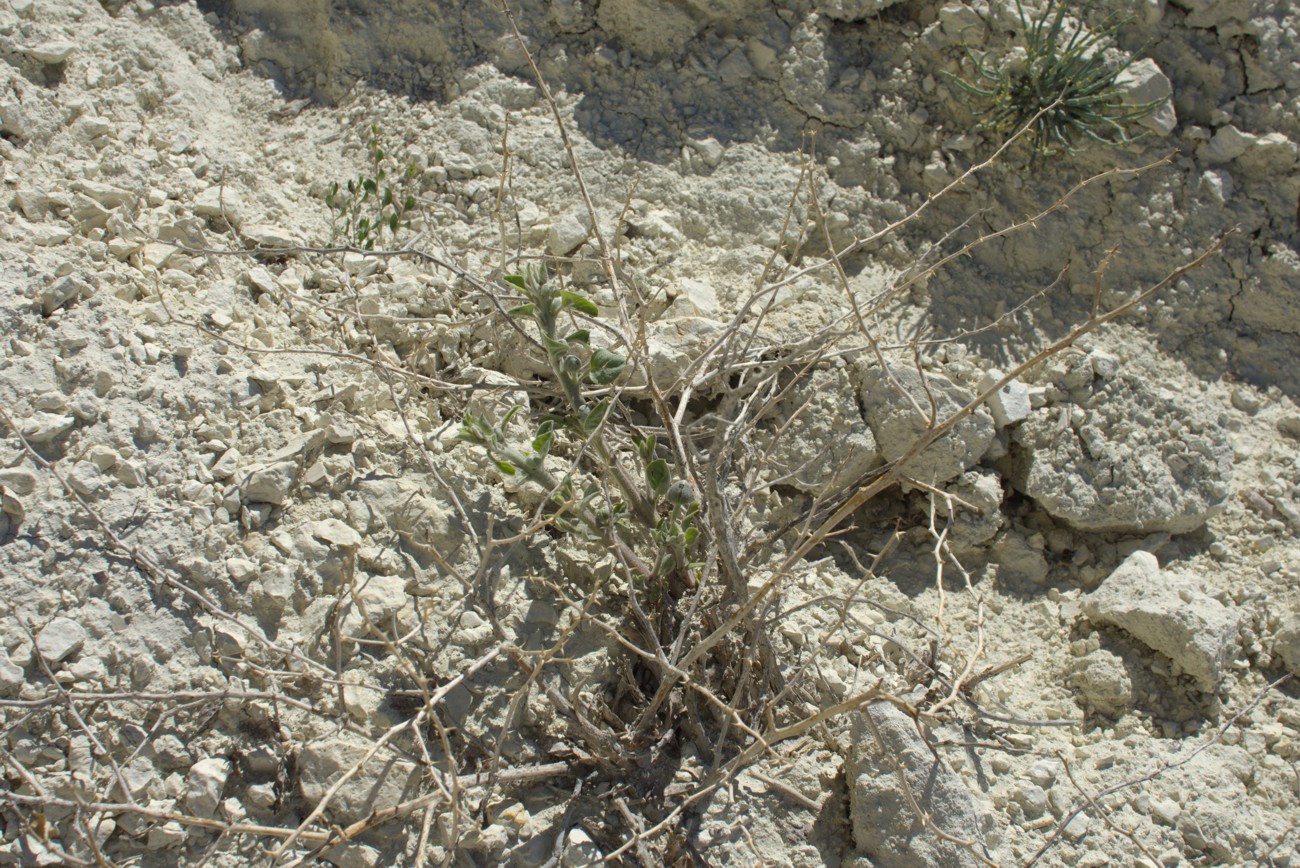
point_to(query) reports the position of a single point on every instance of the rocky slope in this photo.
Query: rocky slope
(251, 583)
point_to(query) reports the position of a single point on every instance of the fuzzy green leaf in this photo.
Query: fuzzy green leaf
(606, 366)
(579, 302)
(658, 476)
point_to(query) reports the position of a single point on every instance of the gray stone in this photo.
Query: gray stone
(55, 51)
(269, 484)
(1166, 613)
(1135, 461)
(901, 417)
(1008, 405)
(336, 533)
(1286, 643)
(105, 194)
(64, 291)
(61, 638)
(12, 676)
(46, 427)
(568, 232)
(1104, 682)
(673, 345)
(817, 441)
(19, 480)
(1143, 83)
(382, 783)
(1228, 144)
(852, 10)
(204, 784)
(885, 827)
(265, 235)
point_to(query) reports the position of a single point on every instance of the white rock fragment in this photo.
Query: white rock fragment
(269, 484)
(55, 51)
(817, 441)
(1104, 682)
(900, 418)
(1286, 643)
(580, 851)
(204, 784)
(852, 10)
(1010, 404)
(19, 480)
(241, 570)
(1142, 84)
(105, 194)
(568, 232)
(1135, 461)
(64, 291)
(336, 533)
(694, 298)
(219, 203)
(60, 639)
(12, 676)
(265, 235)
(1166, 613)
(1228, 144)
(380, 784)
(884, 824)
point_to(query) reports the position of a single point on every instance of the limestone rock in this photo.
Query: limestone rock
(46, 427)
(55, 51)
(218, 204)
(269, 484)
(852, 10)
(673, 346)
(651, 27)
(1134, 461)
(899, 422)
(1166, 613)
(61, 638)
(1286, 645)
(885, 827)
(818, 442)
(64, 291)
(1008, 405)
(383, 783)
(204, 784)
(1143, 83)
(12, 676)
(568, 232)
(1102, 680)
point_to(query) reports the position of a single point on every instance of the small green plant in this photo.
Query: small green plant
(1062, 86)
(663, 507)
(371, 203)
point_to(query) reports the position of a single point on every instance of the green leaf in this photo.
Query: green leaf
(370, 185)
(409, 203)
(579, 302)
(388, 197)
(516, 280)
(545, 436)
(606, 366)
(392, 223)
(581, 336)
(505, 467)
(591, 420)
(658, 476)
(522, 310)
(690, 535)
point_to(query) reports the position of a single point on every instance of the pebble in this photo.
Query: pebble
(204, 784)
(269, 484)
(61, 638)
(12, 677)
(55, 51)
